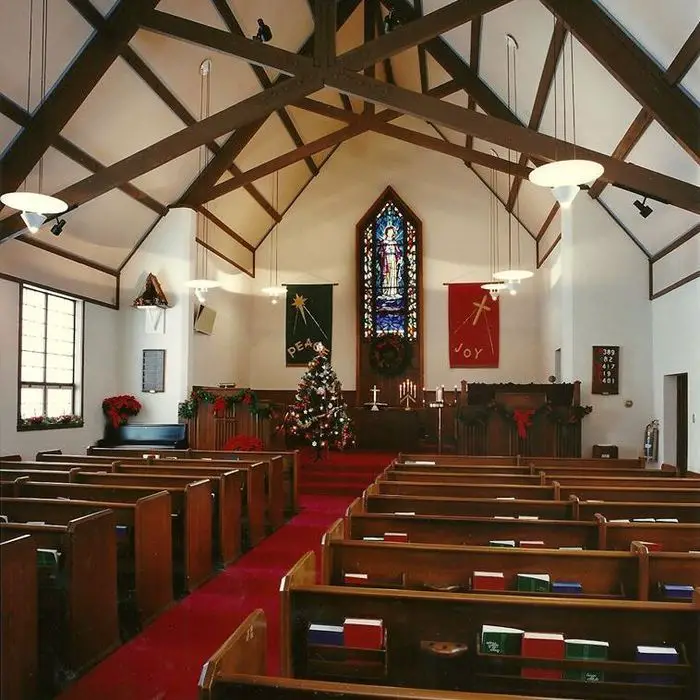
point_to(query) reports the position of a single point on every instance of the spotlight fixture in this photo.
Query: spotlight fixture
(264, 32)
(391, 21)
(644, 208)
(57, 228)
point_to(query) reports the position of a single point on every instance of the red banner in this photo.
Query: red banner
(474, 325)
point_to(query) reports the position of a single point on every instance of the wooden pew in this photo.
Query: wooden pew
(290, 465)
(467, 490)
(415, 620)
(257, 500)
(627, 493)
(144, 543)
(520, 460)
(471, 478)
(449, 567)
(190, 504)
(648, 482)
(657, 568)
(616, 510)
(673, 537)
(18, 616)
(460, 468)
(237, 671)
(77, 593)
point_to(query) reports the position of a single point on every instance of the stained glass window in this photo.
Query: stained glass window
(390, 274)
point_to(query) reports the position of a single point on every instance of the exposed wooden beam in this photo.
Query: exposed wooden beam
(681, 240)
(556, 44)
(633, 68)
(224, 227)
(388, 68)
(416, 32)
(255, 52)
(680, 65)
(550, 250)
(550, 217)
(324, 33)
(509, 135)
(179, 143)
(422, 59)
(70, 91)
(234, 27)
(18, 115)
(225, 258)
(67, 255)
(371, 10)
(474, 59)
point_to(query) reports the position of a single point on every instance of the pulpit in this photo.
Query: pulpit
(532, 420)
(213, 425)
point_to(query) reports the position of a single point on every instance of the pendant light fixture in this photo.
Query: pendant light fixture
(202, 284)
(35, 207)
(566, 176)
(494, 287)
(513, 275)
(274, 290)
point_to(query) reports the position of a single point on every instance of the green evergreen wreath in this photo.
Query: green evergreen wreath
(390, 355)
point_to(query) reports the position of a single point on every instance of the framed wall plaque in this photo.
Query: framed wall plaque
(606, 369)
(153, 371)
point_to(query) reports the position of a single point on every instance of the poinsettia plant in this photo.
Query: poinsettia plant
(244, 443)
(117, 409)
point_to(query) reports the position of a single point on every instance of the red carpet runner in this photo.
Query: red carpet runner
(163, 663)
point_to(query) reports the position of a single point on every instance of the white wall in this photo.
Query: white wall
(101, 353)
(676, 324)
(317, 244)
(607, 278)
(168, 253)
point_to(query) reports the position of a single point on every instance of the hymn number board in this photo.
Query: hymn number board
(606, 369)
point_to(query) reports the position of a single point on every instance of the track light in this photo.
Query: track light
(391, 21)
(644, 208)
(57, 228)
(264, 32)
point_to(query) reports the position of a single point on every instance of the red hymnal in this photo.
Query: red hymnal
(532, 544)
(488, 581)
(651, 546)
(363, 633)
(355, 579)
(396, 537)
(540, 645)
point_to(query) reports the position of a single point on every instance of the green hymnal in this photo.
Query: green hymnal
(533, 583)
(585, 649)
(501, 640)
(47, 557)
(502, 543)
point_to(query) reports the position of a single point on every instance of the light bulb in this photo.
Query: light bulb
(274, 301)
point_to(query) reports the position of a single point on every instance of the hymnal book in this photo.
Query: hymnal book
(355, 579)
(528, 517)
(643, 520)
(488, 581)
(373, 539)
(418, 462)
(542, 645)
(505, 498)
(325, 634)
(504, 517)
(3, 519)
(567, 587)
(361, 633)
(531, 544)
(396, 537)
(677, 590)
(36, 522)
(533, 583)
(404, 512)
(586, 649)
(573, 549)
(47, 557)
(667, 520)
(651, 546)
(619, 520)
(502, 543)
(501, 640)
(656, 655)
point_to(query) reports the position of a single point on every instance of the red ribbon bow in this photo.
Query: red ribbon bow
(523, 420)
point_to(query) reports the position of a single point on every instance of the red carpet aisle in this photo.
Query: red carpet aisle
(163, 663)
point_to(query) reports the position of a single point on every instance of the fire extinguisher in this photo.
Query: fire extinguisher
(651, 441)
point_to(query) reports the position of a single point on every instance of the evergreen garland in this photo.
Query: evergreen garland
(188, 409)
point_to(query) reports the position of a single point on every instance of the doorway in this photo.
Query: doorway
(675, 420)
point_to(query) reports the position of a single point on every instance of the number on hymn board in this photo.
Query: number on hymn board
(606, 369)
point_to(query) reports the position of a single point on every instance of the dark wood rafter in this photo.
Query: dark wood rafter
(224, 227)
(70, 91)
(91, 15)
(633, 68)
(233, 26)
(18, 115)
(681, 240)
(73, 257)
(680, 65)
(388, 67)
(139, 243)
(422, 58)
(547, 222)
(544, 87)
(474, 59)
(371, 10)
(324, 33)
(225, 258)
(550, 250)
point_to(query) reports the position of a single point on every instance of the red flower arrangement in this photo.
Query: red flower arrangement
(119, 408)
(219, 405)
(244, 443)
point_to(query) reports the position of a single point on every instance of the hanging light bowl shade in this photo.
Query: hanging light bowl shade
(202, 284)
(513, 275)
(34, 202)
(566, 172)
(274, 291)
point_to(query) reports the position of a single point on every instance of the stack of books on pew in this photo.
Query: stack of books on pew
(644, 520)
(356, 633)
(388, 537)
(677, 591)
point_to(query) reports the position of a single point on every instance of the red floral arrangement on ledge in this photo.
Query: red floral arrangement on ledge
(244, 443)
(119, 408)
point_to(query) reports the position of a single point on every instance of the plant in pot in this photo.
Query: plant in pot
(117, 409)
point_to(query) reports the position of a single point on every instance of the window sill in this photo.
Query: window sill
(22, 428)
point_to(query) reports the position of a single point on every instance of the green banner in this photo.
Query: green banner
(309, 321)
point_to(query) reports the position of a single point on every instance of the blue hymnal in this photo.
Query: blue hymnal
(675, 590)
(568, 587)
(656, 655)
(325, 634)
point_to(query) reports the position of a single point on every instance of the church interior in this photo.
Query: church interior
(353, 349)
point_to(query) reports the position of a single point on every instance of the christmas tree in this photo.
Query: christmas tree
(319, 412)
